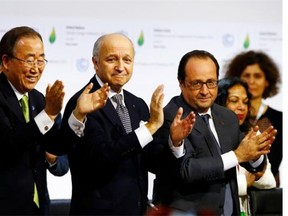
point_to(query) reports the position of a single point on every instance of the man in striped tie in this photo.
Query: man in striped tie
(109, 165)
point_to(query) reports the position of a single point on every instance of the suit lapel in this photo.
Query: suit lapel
(199, 126)
(221, 130)
(109, 110)
(10, 98)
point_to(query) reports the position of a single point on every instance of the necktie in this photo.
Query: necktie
(25, 110)
(206, 120)
(25, 107)
(228, 202)
(122, 113)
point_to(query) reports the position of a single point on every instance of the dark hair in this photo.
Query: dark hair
(11, 37)
(224, 85)
(267, 65)
(202, 54)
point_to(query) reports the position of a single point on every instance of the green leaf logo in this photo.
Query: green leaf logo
(52, 37)
(246, 42)
(141, 39)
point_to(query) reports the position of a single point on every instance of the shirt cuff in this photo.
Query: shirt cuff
(242, 184)
(43, 122)
(258, 162)
(76, 125)
(229, 160)
(144, 136)
(178, 151)
(51, 164)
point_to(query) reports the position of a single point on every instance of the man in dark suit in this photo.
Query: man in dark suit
(23, 141)
(203, 181)
(29, 129)
(109, 175)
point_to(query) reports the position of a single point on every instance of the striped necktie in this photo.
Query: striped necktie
(25, 110)
(122, 113)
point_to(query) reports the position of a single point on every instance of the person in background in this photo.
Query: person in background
(109, 176)
(209, 154)
(57, 166)
(28, 122)
(233, 94)
(262, 75)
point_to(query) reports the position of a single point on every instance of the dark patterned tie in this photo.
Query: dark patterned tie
(206, 120)
(228, 202)
(25, 110)
(122, 113)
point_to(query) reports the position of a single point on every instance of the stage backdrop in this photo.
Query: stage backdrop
(162, 32)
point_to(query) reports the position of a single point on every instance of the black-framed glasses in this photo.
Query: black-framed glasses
(197, 84)
(32, 63)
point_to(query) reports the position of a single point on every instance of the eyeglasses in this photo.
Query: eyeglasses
(32, 63)
(196, 85)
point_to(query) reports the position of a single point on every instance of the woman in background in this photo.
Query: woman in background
(233, 93)
(261, 74)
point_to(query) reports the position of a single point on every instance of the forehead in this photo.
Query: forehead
(238, 90)
(201, 69)
(29, 45)
(117, 45)
(253, 69)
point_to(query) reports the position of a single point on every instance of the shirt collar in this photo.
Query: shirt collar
(17, 93)
(208, 112)
(111, 92)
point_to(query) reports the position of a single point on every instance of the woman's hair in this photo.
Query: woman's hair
(223, 87)
(267, 65)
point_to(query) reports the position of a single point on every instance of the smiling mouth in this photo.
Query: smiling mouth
(32, 79)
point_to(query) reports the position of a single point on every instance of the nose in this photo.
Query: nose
(35, 68)
(250, 80)
(204, 89)
(35, 65)
(119, 65)
(241, 106)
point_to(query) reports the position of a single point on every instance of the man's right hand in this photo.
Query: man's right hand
(89, 102)
(181, 128)
(253, 145)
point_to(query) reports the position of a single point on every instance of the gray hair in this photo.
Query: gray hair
(99, 41)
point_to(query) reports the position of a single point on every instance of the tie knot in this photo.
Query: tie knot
(118, 99)
(206, 118)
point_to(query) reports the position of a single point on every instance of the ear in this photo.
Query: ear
(181, 84)
(5, 62)
(95, 62)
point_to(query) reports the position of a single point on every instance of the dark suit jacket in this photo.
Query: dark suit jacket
(107, 169)
(197, 182)
(22, 160)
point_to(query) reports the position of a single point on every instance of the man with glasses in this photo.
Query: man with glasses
(28, 123)
(203, 179)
